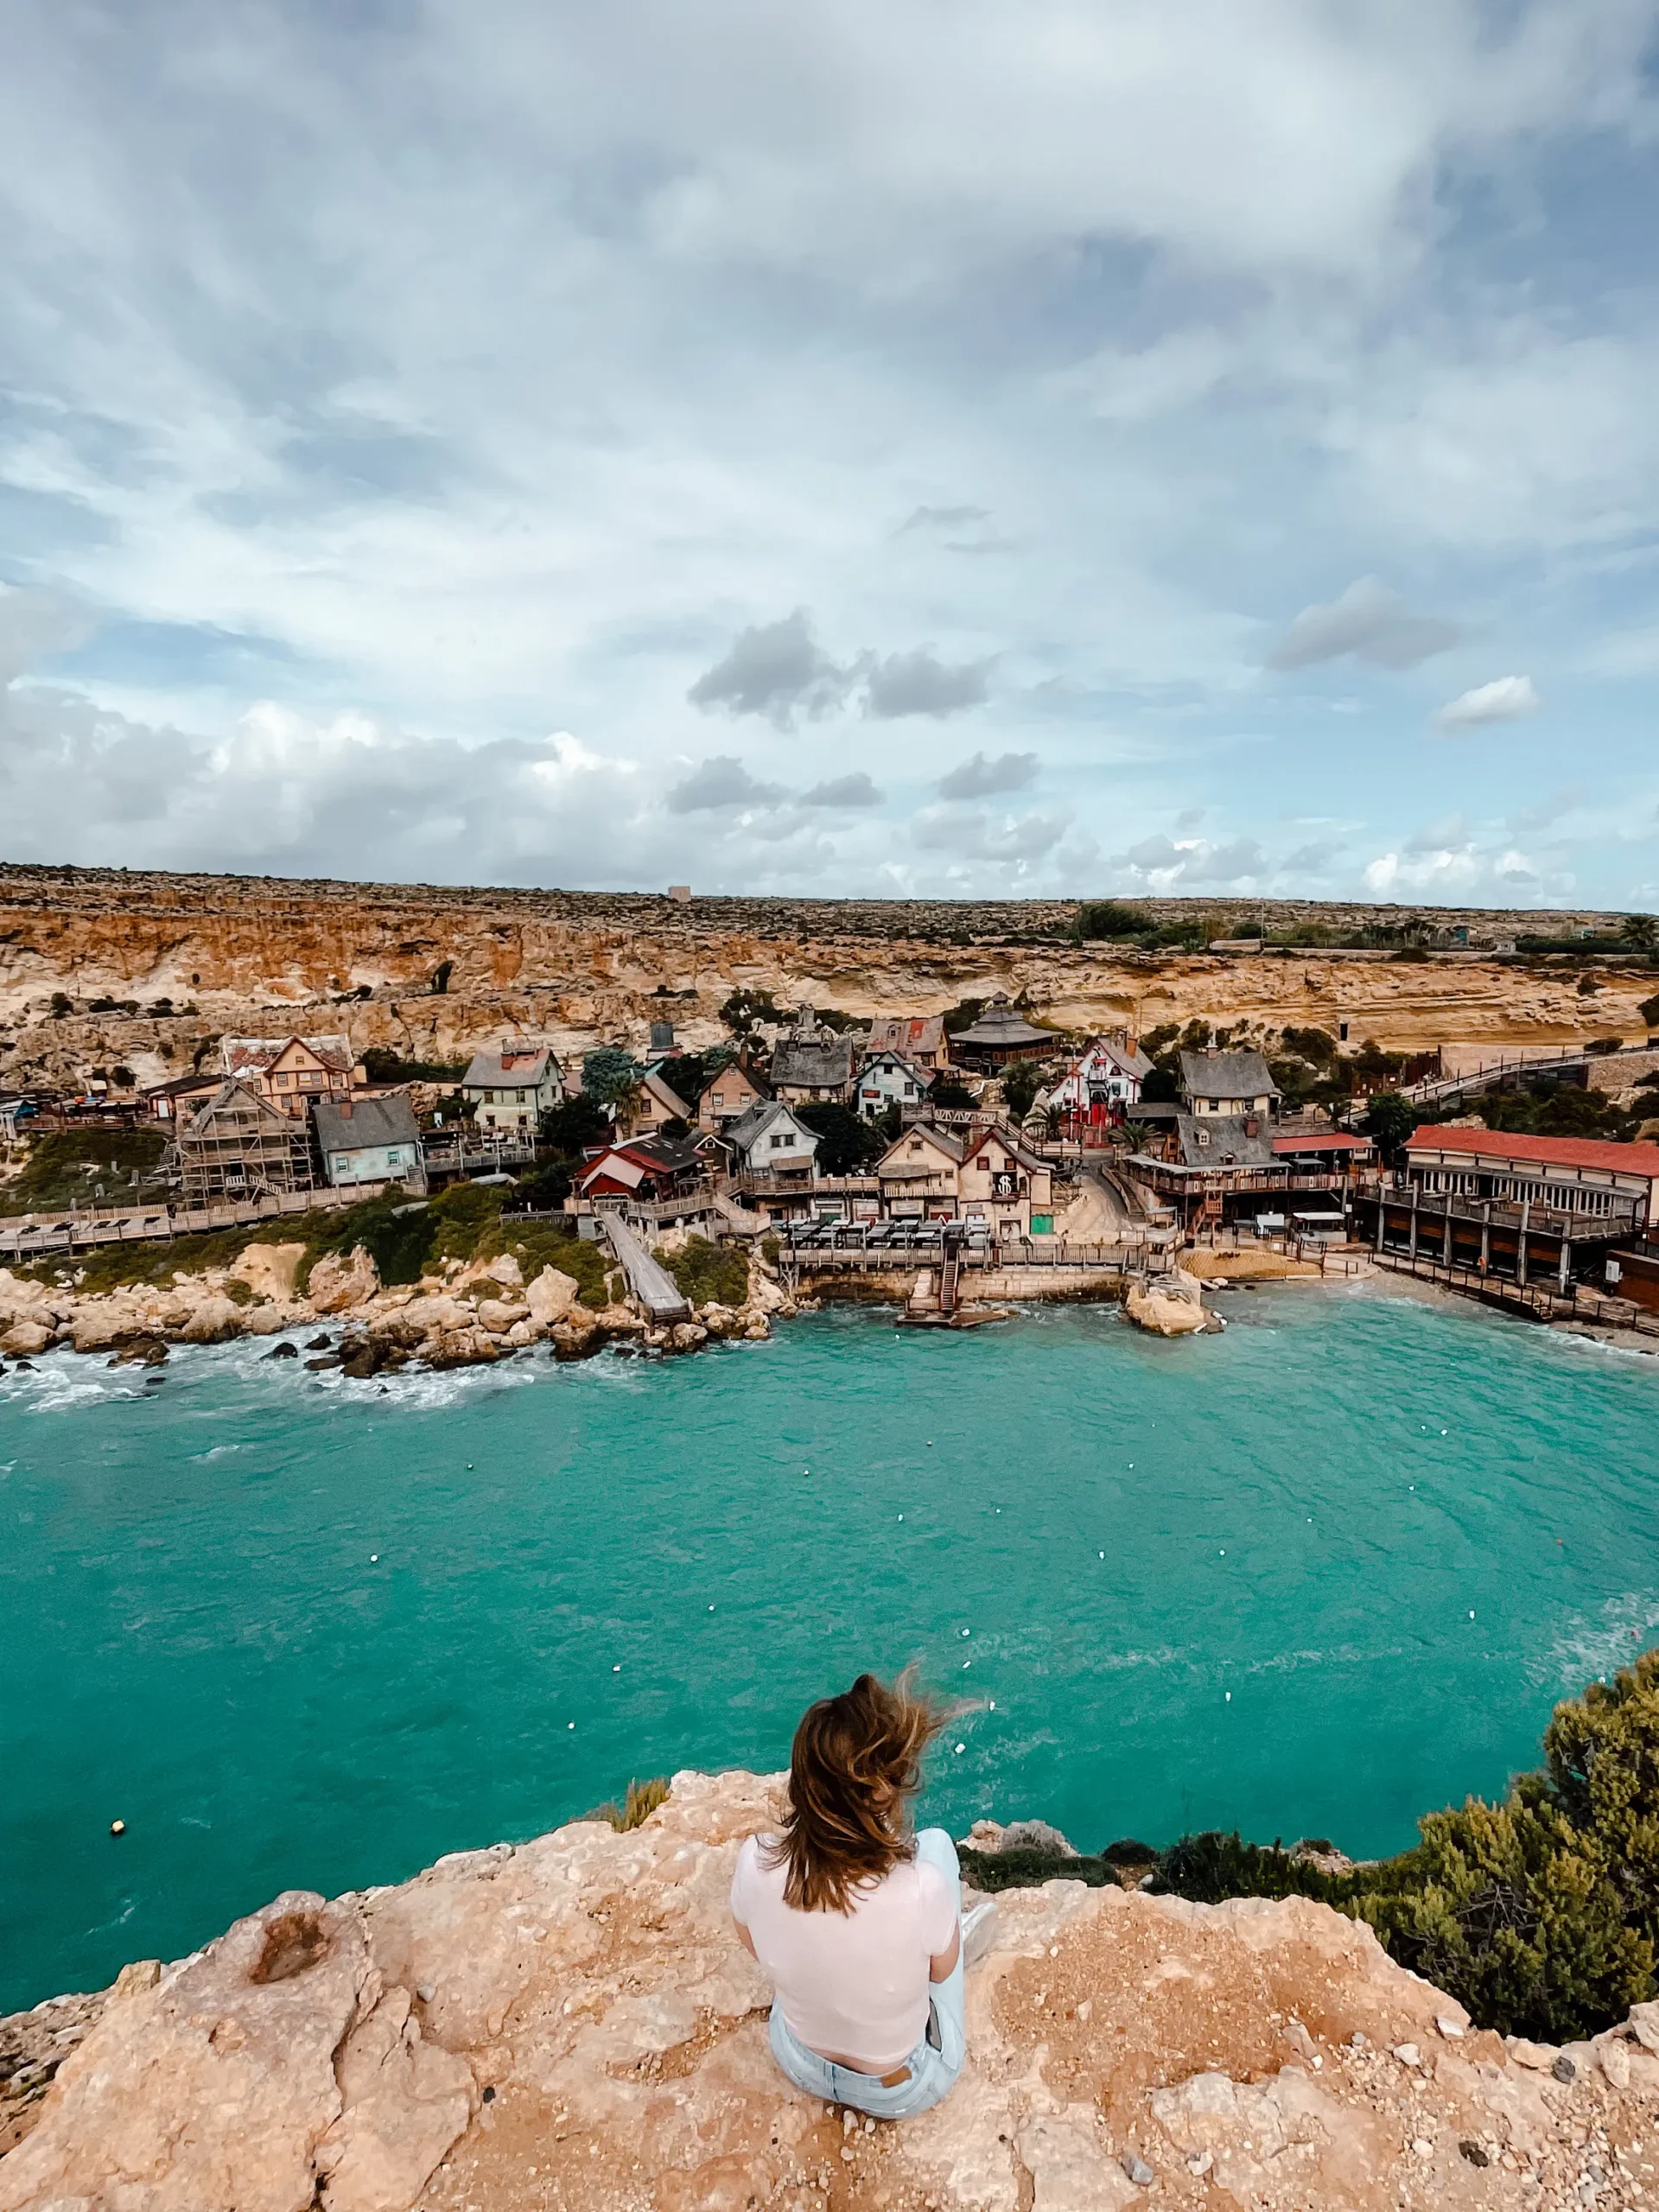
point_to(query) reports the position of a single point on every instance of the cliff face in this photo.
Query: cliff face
(570, 2026)
(251, 954)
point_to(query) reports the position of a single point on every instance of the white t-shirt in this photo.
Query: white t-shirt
(852, 1983)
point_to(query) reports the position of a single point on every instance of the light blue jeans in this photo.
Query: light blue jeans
(934, 2063)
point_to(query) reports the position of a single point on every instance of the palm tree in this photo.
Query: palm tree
(1640, 933)
(1138, 1134)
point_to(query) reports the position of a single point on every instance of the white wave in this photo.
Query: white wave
(1589, 1647)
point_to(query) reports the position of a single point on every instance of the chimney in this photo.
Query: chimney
(345, 1109)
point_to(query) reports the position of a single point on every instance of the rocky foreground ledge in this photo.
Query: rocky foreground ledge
(568, 2025)
(466, 1314)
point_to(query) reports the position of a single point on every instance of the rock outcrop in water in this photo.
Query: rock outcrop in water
(569, 2025)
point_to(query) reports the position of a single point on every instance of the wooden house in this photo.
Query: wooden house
(1004, 1186)
(511, 1089)
(728, 1094)
(1214, 1081)
(369, 1140)
(887, 1078)
(919, 1173)
(239, 1145)
(654, 1103)
(773, 1140)
(1000, 1037)
(917, 1038)
(293, 1072)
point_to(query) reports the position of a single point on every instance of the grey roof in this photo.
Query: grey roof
(757, 1082)
(1002, 1024)
(1226, 1075)
(353, 1125)
(242, 1100)
(1230, 1141)
(890, 1163)
(759, 1119)
(815, 1066)
(508, 1070)
(1130, 1058)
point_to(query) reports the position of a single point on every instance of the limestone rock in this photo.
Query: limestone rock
(621, 1321)
(326, 2055)
(1169, 1307)
(24, 1338)
(496, 1315)
(269, 1270)
(336, 1284)
(551, 1296)
(218, 2086)
(214, 1320)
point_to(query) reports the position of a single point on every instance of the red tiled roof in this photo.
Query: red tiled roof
(1323, 1141)
(1541, 1152)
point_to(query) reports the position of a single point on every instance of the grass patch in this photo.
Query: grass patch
(464, 1223)
(638, 1803)
(56, 1174)
(702, 1271)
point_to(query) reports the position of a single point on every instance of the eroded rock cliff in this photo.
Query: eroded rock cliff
(569, 2025)
(253, 955)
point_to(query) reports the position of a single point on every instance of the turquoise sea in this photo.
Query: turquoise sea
(1311, 1577)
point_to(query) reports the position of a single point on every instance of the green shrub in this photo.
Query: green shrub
(702, 1271)
(63, 1167)
(639, 1802)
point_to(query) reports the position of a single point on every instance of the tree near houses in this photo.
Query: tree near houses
(1390, 1120)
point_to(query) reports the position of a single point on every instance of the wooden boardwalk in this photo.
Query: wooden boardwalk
(80, 1228)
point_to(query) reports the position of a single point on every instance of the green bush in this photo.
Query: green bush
(1107, 918)
(640, 1801)
(702, 1271)
(56, 1174)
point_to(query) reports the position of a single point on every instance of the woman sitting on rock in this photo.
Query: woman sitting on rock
(857, 1924)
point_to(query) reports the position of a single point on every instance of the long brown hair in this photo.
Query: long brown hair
(856, 1764)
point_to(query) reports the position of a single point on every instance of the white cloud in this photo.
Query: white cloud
(1506, 699)
(452, 376)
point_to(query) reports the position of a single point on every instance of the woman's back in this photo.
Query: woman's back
(853, 1985)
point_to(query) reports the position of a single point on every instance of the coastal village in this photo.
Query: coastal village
(951, 1162)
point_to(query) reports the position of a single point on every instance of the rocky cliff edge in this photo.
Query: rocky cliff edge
(569, 2024)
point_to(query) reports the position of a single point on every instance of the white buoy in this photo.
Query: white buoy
(119, 1827)
(962, 1747)
(569, 1724)
(967, 1631)
(374, 1559)
(993, 1705)
(1224, 1551)
(711, 1609)
(1471, 1616)
(1230, 1697)
(1103, 1554)
(616, 1670)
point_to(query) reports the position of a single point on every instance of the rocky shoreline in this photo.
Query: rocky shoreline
(568, 2024)
(463, 1314)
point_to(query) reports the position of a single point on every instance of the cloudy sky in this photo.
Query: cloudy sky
(862, 445)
